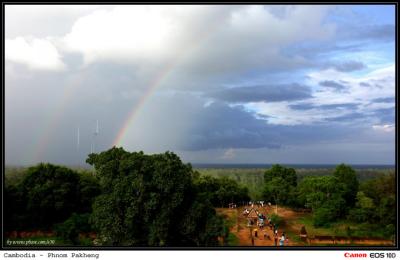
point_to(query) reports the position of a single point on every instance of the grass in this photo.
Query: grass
(295, 237)
(232, 240)
(335, 229)
(340, 228)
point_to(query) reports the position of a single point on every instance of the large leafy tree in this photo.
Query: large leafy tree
(347, 176)
(46, 195)
(280, 183)
(52, 193)
(14, 208)
(376, 205)
(150, 200)
(221, 191)
(382, 192)
(364, 210)
(325, 196)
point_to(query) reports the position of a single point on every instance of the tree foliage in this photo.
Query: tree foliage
(48, 194)
(221, 191)
(280, 184)
(70, 229)
(347, 176)
(325, 196)
(376, 202)
(150, 200)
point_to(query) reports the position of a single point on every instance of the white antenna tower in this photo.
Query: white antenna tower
(78, 141)
(96, 132)
(97, 128)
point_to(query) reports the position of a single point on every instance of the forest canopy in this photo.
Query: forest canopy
(136, 199)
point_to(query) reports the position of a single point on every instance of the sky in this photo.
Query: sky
(312, 84)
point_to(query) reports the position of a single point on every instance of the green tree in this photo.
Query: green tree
(150, 200)
(347, 176)
(51, 193)
(280, 183)
(382, 192)
(48, 194)
(325, 196)
(14, 208)
(73, 226)
(221, 191)
(363, 210)
(277, 170)
(89, 189)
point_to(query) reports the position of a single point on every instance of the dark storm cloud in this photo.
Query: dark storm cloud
(232, 127)
(333, 84)
(268, 93)
(229, 127)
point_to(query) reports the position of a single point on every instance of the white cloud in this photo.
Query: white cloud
(41, 21)
(279, 113)
(229, 154)
(38, 54)
(381, 86)
(116, 34)
(384, 128)
(207, 39)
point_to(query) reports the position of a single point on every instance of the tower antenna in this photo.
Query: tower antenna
(78, 140)
(96, 132)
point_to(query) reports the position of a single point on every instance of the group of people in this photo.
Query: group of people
(259, 203)
(232, 205)
(263, 220)
(277, 239)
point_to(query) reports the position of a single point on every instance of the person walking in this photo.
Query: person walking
(282, 240)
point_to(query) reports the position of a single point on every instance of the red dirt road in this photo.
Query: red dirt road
(246, 235)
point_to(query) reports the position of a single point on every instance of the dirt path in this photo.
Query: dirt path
(245, 234)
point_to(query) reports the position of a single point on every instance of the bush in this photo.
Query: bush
(323, 217)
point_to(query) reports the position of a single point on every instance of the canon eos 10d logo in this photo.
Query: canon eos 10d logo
(375, 255)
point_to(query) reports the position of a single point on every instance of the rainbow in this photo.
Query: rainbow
(136, 108)
(42, 143)
(157, 82)
(38, 148)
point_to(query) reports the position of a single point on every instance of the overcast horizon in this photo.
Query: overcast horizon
(240, 84)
